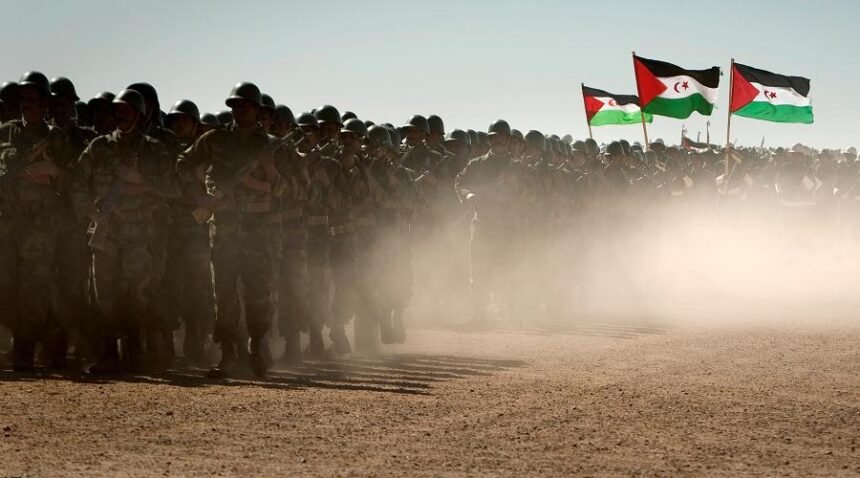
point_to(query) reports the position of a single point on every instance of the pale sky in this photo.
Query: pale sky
(468, 61)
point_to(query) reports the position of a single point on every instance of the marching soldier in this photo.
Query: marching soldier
(241, 179)
(493, 187)
(188, 276)
(121, 181)
(34, 203)
(292, 273)
(73, 256)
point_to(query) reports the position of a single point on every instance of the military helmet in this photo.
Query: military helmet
(245, 91)
(378, 135)
(395, 136)
(348, 115)
(267, 102)
(36, 80)
(459, 135)
(536, 138)
(356, 126)
(148, 92)
(517, 134)
(625, 145)
(307, 119)
(225, 117)
(551, 145)
(9, 92)
(615, 148)
(499, 127)
(482, 137)
(436, 124)
(105, 97)
(82, 112)
(579, 145)
(567, 139)
(62, 87)
(132, 98)
(185, 107)
(209, 119)
(473, 137)
(368, 123)
(284, 114)
(418, 122)
(328, 114)
(591, 147)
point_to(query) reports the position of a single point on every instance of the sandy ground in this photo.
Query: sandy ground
(611, 397)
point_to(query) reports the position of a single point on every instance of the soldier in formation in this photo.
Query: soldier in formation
(254, 230)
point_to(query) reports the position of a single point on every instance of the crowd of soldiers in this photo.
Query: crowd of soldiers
(121, 224)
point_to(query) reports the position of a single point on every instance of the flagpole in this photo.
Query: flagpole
(729, 124)
(584, 107)
(641, 110)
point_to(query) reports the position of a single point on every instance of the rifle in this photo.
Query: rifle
(202, 214)
(98, 238)
(37, 150)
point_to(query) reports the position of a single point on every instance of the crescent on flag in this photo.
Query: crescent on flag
(676, 86)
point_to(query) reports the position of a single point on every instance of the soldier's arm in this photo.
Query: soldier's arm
(464, 182)
(167, 183)
(81, 190)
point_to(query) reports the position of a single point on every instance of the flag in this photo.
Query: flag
(669, 90)
(766, 96)
(602, 108)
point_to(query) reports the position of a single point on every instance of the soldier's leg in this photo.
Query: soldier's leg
(259, 253)
(106, 288)
(343, 275)
(136, 273)
(318, 298)
(159, 327)
(368, 311)
(481, 260)
(36, 247)
(175, 282)
(72, 312)
(226, 264)
(197, 296)
(292, 301)
(8, 282)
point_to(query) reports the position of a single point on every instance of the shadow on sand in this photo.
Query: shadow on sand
(399, 373)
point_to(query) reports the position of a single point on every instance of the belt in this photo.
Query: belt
(342, 229)
(317, 220)
(255, 207)
(291, 213)
(366, 221)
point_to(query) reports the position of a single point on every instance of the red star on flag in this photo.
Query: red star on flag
(685, 85)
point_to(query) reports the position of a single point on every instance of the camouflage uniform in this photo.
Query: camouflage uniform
(33, 209)
(293, 265)
(244, 230)
(123, 265)
(188, 273)
(496, 181)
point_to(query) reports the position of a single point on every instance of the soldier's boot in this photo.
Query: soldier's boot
(168, 350)
(57, 346)
(260, 356)
(366, 338)
(292, 349)
(316, 345)
(133, 359)
(340, 342)
(192, 347)
(229, 364)
(109, 362)
(398, 329)
(386, 329)
(23, 354)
